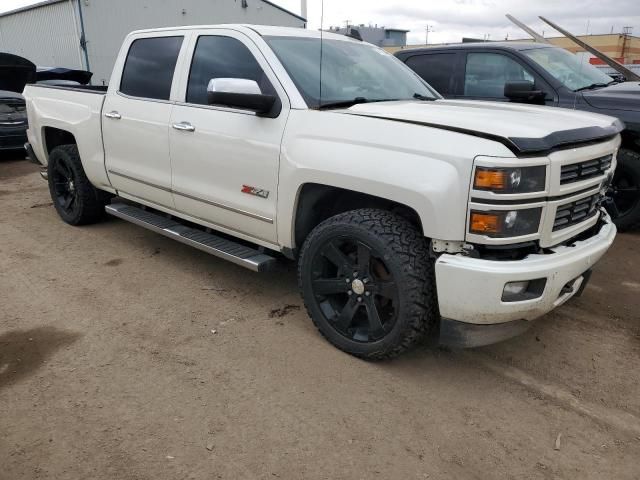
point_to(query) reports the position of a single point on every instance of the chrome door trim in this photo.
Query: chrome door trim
(197, 199)
(225, 207)
(149, 184)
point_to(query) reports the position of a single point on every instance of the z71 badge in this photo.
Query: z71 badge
(255, 191)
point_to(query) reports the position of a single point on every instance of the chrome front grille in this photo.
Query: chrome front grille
(582, 171)
(576, 212)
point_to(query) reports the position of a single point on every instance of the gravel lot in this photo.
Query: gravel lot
(109, 369)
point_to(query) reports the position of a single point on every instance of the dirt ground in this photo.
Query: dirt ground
(110, 369)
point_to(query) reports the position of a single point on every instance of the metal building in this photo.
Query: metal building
(87, 34)
(380, 36)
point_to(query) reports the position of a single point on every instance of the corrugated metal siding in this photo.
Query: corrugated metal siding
(107, 22)
(47, 35)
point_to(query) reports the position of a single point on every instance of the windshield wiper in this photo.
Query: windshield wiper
(591, 87)
(358, 100)
(419, 96)
(352, 102)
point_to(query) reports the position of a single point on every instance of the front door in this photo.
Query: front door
(225, 161)
(136, 121)
(486, 73)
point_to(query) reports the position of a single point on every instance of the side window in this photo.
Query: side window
(437, 69)
(486, 74)
(148, 70)
(222, 57)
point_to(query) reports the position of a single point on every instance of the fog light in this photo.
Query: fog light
(523, 290)
(513, 289)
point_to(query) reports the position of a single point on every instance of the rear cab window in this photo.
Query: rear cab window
(437, 69)
(150, 66)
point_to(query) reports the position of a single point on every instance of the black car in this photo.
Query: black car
(545, 75)
(13, 121)
(15, 72)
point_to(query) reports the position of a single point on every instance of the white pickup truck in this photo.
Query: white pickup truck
(407, 213)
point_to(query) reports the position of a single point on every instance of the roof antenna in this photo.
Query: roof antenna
(321, 38)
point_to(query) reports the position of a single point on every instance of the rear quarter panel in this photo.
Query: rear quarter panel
(75, 111)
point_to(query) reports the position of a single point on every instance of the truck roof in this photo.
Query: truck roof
(263, 30)
(518, 46)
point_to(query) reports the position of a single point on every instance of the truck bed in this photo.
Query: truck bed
(76, 109)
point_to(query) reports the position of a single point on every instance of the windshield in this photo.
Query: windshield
(567, 68)
(350, 71)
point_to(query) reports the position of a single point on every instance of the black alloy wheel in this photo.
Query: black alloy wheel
(354, 290)
(368, 284)
(624, 194)
(64, 188)
(75, 199)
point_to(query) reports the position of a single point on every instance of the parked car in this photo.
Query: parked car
(15, 72)
(13, 121)
(405, 212)
(541, 74)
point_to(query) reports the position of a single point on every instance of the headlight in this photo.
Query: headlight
(505, 223)
(510, 180)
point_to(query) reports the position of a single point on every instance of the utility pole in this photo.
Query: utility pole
(427, 30)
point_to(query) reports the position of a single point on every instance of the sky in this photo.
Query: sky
(450, 20)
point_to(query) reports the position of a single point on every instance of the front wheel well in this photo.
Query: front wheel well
(316, 203)
(54, 137)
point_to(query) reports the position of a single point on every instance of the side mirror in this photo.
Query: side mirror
(523, 91)
(240, 93)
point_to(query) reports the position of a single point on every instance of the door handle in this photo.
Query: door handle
(184, 127)
(115, 115)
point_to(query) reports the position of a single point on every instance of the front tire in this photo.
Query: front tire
(368, 283)
(75, 199)
(625, 191)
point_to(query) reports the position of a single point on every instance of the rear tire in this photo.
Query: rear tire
(75, 199)
(626, 190)
(383, 261)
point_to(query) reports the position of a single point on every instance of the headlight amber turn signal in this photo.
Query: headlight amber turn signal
(505, 223)
(510, 180)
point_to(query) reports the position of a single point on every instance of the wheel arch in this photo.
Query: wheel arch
(53, 137)
(316, 202)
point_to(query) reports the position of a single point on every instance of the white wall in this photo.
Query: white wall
(48, 36)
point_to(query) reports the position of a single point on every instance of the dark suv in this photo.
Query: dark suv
(545, 75)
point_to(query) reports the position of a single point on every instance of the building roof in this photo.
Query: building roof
(284, 10)
(44, 3)
(26, 8)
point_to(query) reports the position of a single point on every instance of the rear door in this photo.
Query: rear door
(225, 165)
(136, 117)
(438, 69)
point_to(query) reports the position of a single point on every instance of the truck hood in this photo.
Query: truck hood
(620, 96)
(523, 129)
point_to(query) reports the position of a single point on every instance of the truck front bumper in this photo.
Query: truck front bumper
(470, 290)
